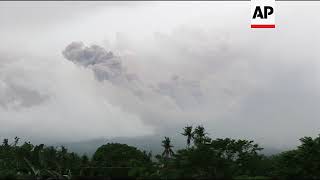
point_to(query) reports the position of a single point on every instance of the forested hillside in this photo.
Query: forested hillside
(202, 157)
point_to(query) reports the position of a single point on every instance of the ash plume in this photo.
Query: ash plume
(105, 65)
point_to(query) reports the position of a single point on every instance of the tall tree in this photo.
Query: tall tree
(188, 133)
(200, 136)
(166, 144)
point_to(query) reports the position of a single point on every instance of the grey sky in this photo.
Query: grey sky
(179, 63)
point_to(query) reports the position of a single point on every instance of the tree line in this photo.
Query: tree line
(202, 158)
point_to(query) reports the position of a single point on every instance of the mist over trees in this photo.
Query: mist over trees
(203, 157)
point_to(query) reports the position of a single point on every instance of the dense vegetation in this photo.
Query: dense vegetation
(203, 158)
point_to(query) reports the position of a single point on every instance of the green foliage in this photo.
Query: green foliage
(187, 131)
(303, 162)
(203, 157)
(121, 157)
(210, 158)
(36, 161)
(166, 144)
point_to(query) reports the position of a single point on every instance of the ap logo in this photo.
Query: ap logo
(262, 14)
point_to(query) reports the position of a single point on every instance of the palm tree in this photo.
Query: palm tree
(188, 133)
(167, 152)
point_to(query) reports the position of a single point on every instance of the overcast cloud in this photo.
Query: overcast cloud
(73, 71)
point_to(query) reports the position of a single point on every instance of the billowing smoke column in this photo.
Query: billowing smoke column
(186, 93)
(105, 65)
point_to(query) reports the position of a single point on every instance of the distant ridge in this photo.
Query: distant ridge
(147, 143)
